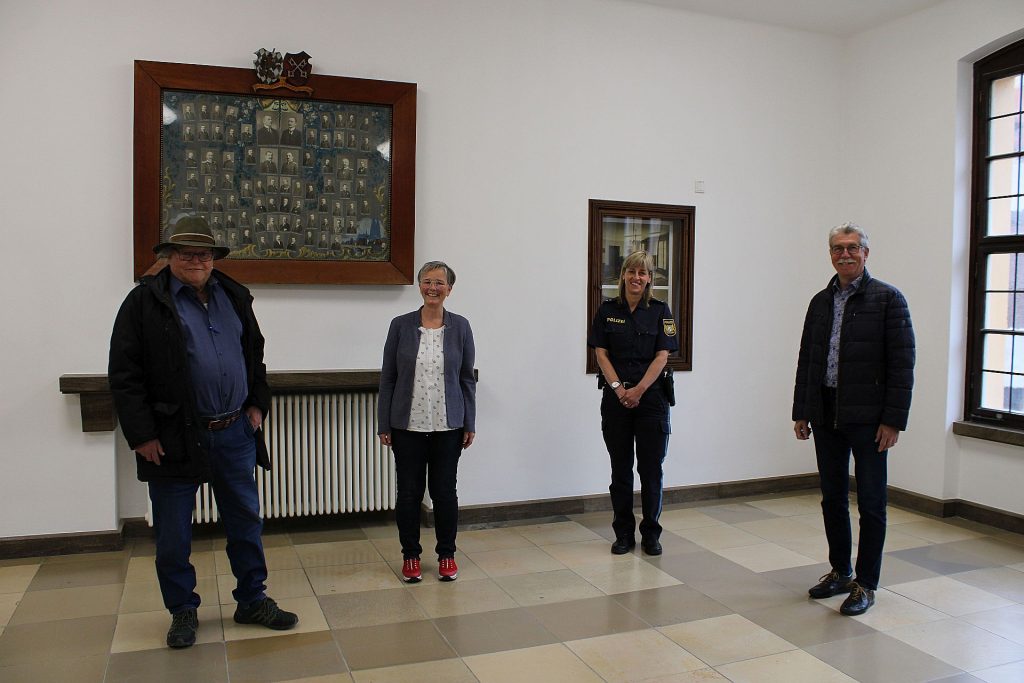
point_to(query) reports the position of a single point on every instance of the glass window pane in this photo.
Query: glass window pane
(997, 354)
(1018, 360)
(1006, 96)
(1005, 311)
(999, 271)
(1004, 135)
(623, 236)
(997, 311)
(1004, 217)
(995, 391)
(1003, 175)
(1015, 394)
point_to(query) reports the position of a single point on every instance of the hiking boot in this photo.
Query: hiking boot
(183, 629)
(266, 613)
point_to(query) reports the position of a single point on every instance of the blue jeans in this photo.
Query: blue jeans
(648, 427)
(232, 455)
(833, 446)
(427, 459)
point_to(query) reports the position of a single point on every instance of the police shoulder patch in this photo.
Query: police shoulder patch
(669, 326)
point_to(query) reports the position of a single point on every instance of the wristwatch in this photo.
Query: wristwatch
(615, 385)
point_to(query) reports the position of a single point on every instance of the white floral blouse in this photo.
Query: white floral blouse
(428, 412)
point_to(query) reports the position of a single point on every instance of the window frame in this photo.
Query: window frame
(682, 267)
(1007, 61)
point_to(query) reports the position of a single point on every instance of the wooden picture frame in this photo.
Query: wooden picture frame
(666, 232)
(191, 145)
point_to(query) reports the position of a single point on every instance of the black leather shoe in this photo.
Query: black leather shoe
(183, 629)
(831, 584)
(266, 613)
(859, 601)
(651, 547)
(623, 545)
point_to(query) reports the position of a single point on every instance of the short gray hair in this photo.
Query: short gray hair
(167, 252)
(435, 265)
(848, 229)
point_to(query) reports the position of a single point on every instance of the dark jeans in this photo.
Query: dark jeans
(232, 454)
(427, 459)
(648, 427)
(833, 446)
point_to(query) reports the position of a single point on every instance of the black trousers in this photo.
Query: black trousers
(422, 460)
(646, 428)
(833, 445)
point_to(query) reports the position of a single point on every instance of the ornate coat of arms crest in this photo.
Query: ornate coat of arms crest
(270, 66)
(297, 68)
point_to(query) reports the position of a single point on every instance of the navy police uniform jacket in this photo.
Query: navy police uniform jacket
(633, 339)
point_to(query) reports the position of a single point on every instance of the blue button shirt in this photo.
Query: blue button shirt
(213, 339)
(839, 298)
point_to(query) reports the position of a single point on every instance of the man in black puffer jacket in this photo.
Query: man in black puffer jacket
(854, 378)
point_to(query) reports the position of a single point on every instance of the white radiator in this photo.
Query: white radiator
(325, 457)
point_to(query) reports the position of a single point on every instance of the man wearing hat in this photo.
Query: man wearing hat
(189, 384)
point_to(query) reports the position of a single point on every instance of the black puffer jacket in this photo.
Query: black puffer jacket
(876, 357)
(149, 377)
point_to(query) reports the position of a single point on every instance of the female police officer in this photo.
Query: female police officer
(632, 336)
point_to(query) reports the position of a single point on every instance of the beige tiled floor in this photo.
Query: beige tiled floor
(543, 600)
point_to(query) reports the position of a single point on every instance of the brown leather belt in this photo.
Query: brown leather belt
(215, 425)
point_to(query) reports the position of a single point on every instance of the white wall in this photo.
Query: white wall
(906, 177)
(526, 110)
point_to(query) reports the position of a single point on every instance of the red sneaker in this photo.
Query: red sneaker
(411, 570)
(447, 570)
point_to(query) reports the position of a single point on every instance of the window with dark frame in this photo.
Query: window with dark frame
(995, 357)
(664, 231)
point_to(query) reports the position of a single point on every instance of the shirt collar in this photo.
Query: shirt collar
(177, 285)
(849, 290)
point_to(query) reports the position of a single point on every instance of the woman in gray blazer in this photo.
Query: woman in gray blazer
(426, 413)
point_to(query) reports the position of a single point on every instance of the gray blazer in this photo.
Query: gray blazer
(398, 370)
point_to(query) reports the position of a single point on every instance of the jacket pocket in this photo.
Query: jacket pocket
(170, 430)
(618, 341)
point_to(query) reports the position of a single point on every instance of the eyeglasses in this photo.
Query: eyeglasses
(435, 283)
(852, 249)
(201, 256)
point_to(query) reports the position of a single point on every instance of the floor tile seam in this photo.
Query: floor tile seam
(982, 628)
(1018, 642)
(933, 607)
(332, 564)
(585, 663)
(337, 646)
(792, 648)
(454, 586)
(524, 610)
(75, 587)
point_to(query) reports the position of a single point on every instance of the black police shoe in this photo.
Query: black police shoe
(831, 584)
(651, 547)
(623, 545)
(266, 613)
(183, 629)
(859, 601)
